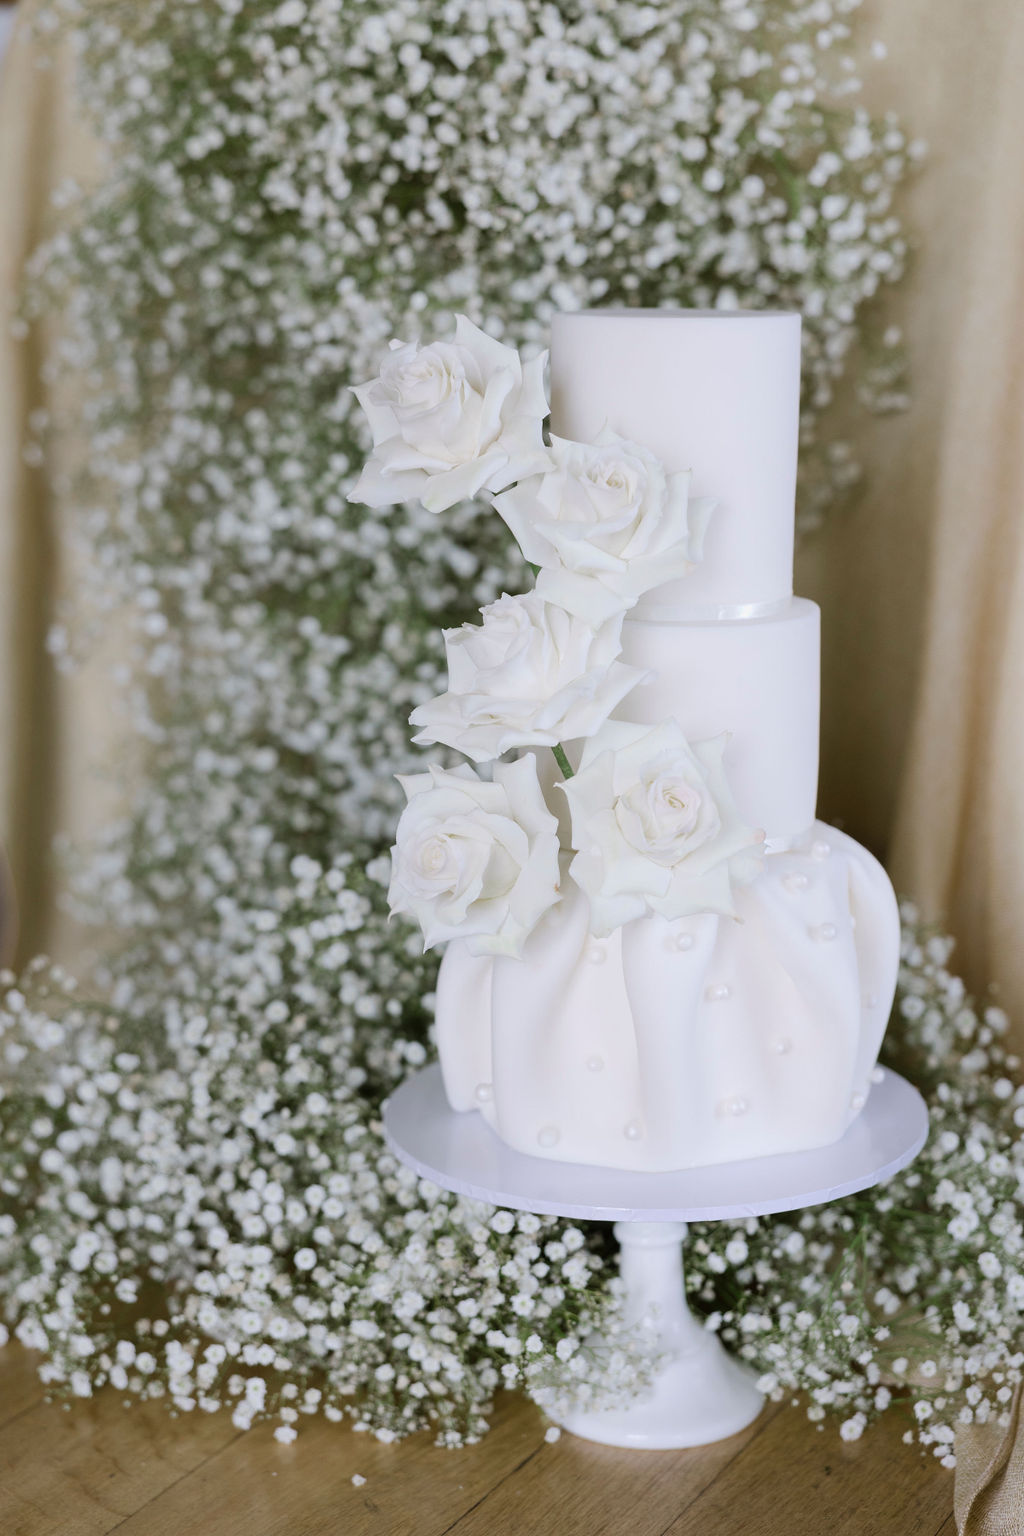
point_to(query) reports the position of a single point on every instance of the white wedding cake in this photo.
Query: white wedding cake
(657, 957)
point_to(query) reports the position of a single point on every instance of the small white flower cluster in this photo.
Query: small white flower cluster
(912, 1295)
(195, 1202)
(231, 1166)
(296, 1265)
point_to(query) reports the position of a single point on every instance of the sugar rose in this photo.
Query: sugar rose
(655, 826)
(530, 675)
(605, 522)
(474, 860)
(451, 419)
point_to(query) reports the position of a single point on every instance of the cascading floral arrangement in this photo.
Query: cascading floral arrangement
(196, 1202)
(602, 523)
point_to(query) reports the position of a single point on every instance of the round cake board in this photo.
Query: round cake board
(700, 1393)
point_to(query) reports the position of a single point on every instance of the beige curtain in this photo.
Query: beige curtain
(921, 583)
(50, 729)
(922, 587)
(28, 136)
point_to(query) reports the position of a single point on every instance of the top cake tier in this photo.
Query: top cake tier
(716, 392)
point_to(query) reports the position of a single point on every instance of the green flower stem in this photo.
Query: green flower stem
(562, 761)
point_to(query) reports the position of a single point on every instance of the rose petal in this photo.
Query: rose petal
(491, 355)
(375, 488)
(379, 415)
(584, 596)
(533, 400)
(513, 507)
(461, 483)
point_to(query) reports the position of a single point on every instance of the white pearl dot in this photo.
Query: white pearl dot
(548, 1136)
(738, 1106)
(870, 1000)
(631, 1130)
(820, 850)
(795, 882)
(782, 1046)
(858, 1101)
(718, 993)
(595, 1063)
(484, 1093)
(681, 941)
(877, 1074)
(824, 931)
(597, 954)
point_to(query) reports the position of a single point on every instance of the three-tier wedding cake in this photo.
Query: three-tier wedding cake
(658, 958)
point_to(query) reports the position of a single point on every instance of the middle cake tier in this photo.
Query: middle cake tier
(757, 679)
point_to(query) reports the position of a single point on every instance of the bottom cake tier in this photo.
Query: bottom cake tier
(677, 1044)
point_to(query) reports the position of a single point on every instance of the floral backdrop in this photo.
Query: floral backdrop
(196, 1200)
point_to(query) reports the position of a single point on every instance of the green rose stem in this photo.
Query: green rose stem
(562, 761)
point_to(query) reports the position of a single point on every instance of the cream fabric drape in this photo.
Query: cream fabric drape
(922, 587)
(29, 130)
(921, 583)
(988, 1498)
(49, 729)
(965, 763)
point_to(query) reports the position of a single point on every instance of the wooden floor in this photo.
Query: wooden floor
(101, 1467)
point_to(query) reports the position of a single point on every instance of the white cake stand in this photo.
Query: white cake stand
(701, 1394)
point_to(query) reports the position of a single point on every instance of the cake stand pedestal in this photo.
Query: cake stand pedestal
(701, 1393)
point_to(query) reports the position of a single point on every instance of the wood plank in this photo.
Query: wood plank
(20, 1387)
(256, 1487)
(101, 1468)
(793, 1480)
(81, 1471)
(576, 1488)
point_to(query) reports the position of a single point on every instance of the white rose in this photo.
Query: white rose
(606, 523)
(530, 675)
(474, 860)
(451, 419)
(655, 826)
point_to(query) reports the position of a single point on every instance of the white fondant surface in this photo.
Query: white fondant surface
(698, 1042)
(462, 1153)
(716, 393)
(756, 679)
(680, 1044)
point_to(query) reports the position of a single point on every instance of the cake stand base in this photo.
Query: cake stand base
(700, 1393)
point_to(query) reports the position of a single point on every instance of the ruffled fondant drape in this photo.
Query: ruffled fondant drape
(678, 1043)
